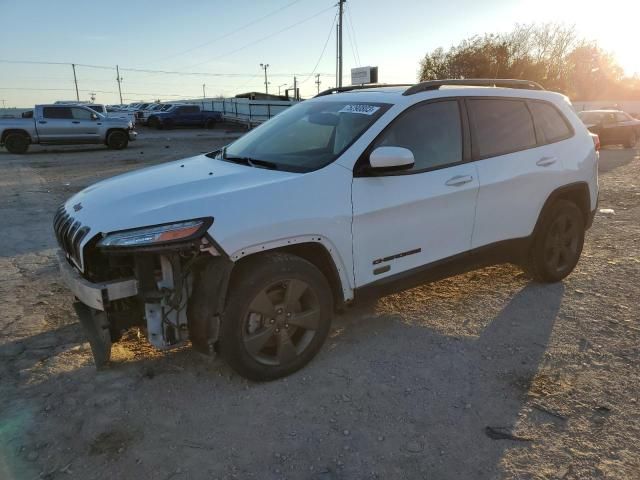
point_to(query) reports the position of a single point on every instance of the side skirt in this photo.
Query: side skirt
(508, 251)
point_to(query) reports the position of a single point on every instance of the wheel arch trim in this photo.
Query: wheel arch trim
(341, 270)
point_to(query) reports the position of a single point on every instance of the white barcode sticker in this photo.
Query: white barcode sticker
(361, 109)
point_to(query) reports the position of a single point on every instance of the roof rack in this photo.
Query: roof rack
(361, 87)
(474, 82)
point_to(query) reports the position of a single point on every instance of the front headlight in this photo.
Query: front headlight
(156, 235)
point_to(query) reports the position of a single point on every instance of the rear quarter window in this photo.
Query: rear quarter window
(57, 112)
(551, 124)
(499, 127)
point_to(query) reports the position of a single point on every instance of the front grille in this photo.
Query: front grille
(69, 233)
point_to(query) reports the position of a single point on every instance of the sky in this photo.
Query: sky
(221, 44)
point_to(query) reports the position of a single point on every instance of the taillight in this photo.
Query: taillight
(596, 141)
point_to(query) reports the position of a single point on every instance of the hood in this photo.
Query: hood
(175, 191)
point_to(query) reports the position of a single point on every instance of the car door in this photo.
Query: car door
(54, 124)
(406, 219)
(516, 173)
(192, 115)
(609, 130)
(85, 124)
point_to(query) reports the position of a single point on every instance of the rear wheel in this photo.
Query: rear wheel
(277, 316)
(17, 143)
(558, 243)
(117, 140)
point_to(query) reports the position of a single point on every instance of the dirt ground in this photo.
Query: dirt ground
(481, 376)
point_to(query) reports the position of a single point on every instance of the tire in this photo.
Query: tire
(296, 304)
(631, 140)
(210, 124)
(17, 143)
(117, 140)
(557, 244)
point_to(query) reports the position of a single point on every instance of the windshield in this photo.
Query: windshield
(307, 136)
(164, 108)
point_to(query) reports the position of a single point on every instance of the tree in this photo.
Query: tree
(550, 54)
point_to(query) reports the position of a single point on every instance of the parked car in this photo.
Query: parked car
(65, 125)
(248, 250)
(143, 108)
(612, 126)
(159, 107)
(184, 116)
(101, 109)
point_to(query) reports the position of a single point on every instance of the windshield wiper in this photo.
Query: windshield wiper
(252, 162)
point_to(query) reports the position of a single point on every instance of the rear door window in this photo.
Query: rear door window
(550, 123)
(500, 126)
(57, 112)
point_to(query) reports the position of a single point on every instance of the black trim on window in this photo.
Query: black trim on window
(539, 135)
(362, 167)
(474, 153)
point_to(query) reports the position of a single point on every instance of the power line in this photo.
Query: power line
(228, 34)
(353, 31)
(324, 48)
(262, 38)
(139, 70)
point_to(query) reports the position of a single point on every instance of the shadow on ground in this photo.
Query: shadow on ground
(384, 399)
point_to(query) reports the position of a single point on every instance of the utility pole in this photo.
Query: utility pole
(119, 79)
(295, 88)
(280, 86)
(75, 79)
(318, 81)
(3, 103)
(264, 66)
(339, 43)
(204, 93)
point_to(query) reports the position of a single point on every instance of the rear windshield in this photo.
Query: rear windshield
(309, 135)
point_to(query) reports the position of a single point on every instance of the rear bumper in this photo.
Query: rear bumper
(95, 295)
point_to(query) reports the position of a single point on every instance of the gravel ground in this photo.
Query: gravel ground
(481, 376)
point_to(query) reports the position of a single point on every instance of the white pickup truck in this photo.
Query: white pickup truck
(64, 125)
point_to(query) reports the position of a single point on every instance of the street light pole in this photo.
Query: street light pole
(264, 66)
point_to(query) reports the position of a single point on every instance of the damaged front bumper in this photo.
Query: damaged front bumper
(95, 295)
(174, 297)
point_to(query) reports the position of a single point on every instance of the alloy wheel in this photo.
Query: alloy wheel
(281, 322)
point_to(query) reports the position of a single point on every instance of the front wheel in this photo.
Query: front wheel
(558, 243)
(17, 143)
(118, 140)
(277, 317)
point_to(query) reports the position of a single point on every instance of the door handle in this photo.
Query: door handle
(546, 161)
(76, 121)
(42, 121)
(459, 180)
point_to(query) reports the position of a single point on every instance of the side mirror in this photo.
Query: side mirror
(398, 158)
(94, 116)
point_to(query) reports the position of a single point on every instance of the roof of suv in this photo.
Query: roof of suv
(396, 94)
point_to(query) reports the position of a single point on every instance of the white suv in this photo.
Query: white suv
(249, 250)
